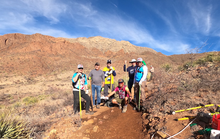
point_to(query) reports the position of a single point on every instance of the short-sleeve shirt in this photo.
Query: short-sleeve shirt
(97, 77)
(83, 82)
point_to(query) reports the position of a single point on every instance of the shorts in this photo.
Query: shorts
(119, 100)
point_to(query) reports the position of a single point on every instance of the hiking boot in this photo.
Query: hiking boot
(124, 109)
(119, 106)
(89, 112)
(98, 106)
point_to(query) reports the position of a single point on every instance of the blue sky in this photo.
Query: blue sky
(167, 26)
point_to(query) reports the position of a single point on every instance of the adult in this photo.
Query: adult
(83, 87)
(151, 72)
(121, 94)
(109, 73)
(140, 80)
(98, 81)
(131, 71)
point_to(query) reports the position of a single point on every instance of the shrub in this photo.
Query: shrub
(13, 128)
(201, 61)
(166, 67)
(30, 100)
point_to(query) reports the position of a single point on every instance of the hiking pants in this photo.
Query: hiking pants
(106, 87)
(130, 84)
(98, 91)
(136, 91)
(76, 100)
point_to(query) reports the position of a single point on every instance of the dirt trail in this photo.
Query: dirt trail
(106, 123)
(119, 125)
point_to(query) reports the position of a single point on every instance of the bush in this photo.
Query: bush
(30, 100)
(13, 128)
(201, 61)
(166, 67)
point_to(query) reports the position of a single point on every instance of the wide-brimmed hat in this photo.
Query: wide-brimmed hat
(132, 61)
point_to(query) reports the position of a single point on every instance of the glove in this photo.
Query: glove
(79, 74)
(110, 72)
(87, 91)
(140, 83)
(111, 68)
(102, 89)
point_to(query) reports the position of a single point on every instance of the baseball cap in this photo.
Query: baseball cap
(109, 61)
(80, 66)
(120, 81)
(132, 61)
(139, 59)
(97, 64)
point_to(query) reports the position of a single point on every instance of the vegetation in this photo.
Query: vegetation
(13, 128)
(166, 67)
(209, 58)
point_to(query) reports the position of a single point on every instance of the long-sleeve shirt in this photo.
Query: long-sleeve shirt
(109, 75)
(130, 70)
(140, 74)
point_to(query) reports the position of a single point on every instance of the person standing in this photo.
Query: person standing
(140, 81)
(83, 87)
(131, 71)
(152, 72)
(109, 73)
(98, 81)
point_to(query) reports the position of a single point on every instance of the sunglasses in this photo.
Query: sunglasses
(80, 68)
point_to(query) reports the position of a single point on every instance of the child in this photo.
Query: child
(121, 95)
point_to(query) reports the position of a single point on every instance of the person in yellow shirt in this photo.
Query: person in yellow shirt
(109, 73)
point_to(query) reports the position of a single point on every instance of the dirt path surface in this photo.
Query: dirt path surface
(106, 123)
(119, 125)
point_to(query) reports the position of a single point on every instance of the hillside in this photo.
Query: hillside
(106, 44)
(40, 54)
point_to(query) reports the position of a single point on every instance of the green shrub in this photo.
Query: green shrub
(201, 61)
(13, 128)
(166, 67)
(30, 100)
(209, 57)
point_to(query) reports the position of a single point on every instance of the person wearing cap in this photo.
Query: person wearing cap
(98, 81)
(152, 72)
(130, 71)
(121, 95)
(140, 80)
(109, 73)
(83, 87)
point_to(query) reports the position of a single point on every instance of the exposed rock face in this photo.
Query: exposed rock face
(105, 44)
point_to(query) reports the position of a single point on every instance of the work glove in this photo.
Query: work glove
(102, 89)
(79, 74)
(87, 91)
(140, 83)
(111, 68)
(110, 72)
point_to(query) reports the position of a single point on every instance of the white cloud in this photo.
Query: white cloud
(20, 16)
(201, 16)
(114, 26)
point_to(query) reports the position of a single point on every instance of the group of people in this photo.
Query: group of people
(100, 79)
